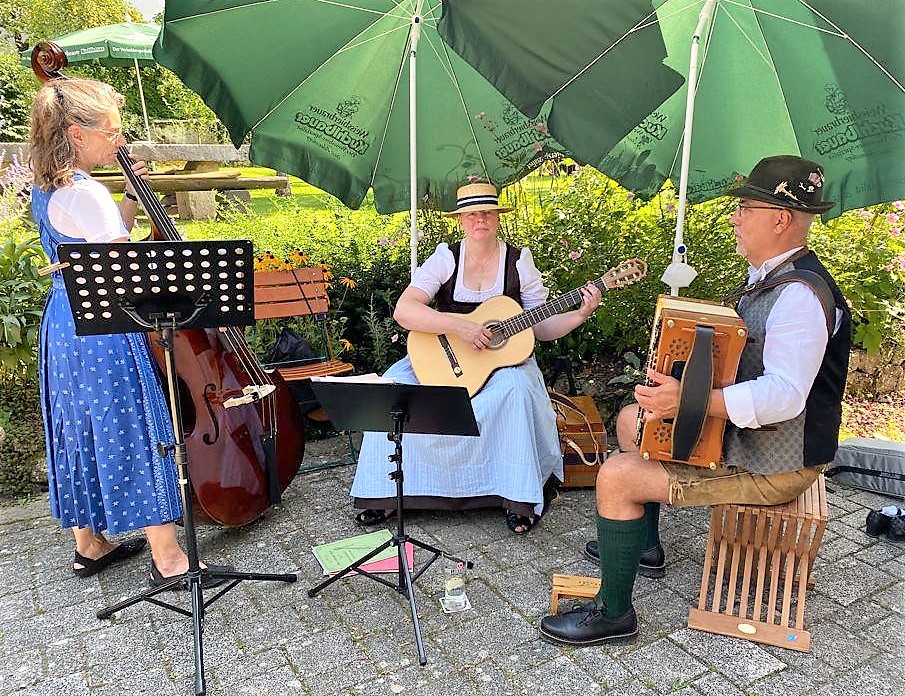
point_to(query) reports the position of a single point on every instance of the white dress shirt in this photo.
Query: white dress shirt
(794, 346)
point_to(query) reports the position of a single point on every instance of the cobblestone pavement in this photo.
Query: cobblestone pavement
(356, 637)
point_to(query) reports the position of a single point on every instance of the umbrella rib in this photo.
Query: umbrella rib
(856, 45)
(269, 2)
(349, 44)
(639, 25)
(455, 81)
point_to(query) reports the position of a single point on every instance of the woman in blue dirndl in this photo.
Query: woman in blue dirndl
(103, 406)
(516, 462)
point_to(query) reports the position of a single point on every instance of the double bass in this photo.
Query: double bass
(240, 459)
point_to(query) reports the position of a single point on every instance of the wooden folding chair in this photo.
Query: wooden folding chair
(299, 293)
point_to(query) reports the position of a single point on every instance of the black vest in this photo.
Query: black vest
(512, 285)
(823, 409)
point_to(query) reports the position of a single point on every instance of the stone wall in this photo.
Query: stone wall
(871, 375)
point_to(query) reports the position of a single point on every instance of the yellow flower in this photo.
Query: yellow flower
(346, 344)
(348, 282)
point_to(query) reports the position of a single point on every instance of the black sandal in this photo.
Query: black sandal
(371, 518)
(93, 566)
(514, 521)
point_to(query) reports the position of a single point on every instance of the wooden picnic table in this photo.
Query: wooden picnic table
(196, 184)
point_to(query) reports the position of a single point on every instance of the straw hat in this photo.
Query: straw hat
(474, 197)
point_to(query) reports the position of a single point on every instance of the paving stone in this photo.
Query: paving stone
(848, 579)
(356, 637)
(741, 661)
(663, 666)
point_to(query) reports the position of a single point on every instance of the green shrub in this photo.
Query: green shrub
(22, 443)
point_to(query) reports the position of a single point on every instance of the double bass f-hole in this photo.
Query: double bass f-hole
(210, 393)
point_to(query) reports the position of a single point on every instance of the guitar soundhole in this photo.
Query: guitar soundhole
(498, 339)
(663, 433)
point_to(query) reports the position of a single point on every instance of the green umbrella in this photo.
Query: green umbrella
(124, 44)
(822, 79)
(324, 88)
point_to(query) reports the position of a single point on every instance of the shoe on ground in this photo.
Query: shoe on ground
(156, 579)
(896, 529)
(120, 552)
(877, 523)
(651, 565)
(588, 625)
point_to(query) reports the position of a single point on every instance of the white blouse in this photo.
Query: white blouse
(439, 266)
(86, 210)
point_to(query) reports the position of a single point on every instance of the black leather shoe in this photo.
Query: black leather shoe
(895, 530)
(651, 565)
(877, 523)
(589, 626)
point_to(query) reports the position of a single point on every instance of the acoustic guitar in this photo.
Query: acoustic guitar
(447, 360)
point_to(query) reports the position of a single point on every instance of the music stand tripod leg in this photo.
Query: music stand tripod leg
(195, 575)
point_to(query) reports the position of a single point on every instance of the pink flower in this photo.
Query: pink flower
(383, 241)
(898, 205)
(564, 242)
(394, 338)
(575, 255)
(892, 218)
(865, 214)
(895, 231)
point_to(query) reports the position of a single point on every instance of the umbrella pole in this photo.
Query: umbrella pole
(413, 136)
(141, 93)
(679, 274)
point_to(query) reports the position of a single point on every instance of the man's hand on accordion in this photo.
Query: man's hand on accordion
(660, 398)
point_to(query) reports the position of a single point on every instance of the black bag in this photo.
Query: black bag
(873, 465)
(290, 349)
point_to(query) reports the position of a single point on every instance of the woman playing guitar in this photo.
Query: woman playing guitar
(518, 451)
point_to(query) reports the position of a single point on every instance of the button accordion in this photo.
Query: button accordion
(700, 344)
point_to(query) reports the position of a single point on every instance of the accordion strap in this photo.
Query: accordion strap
(694, 395)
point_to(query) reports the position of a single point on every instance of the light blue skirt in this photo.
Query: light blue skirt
(517, 451)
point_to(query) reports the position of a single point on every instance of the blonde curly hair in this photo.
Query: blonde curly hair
(58, 105)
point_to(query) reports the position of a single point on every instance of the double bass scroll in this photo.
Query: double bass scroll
(699, 343)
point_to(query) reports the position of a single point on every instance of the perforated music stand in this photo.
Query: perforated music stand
(394, 408)
(124, 287)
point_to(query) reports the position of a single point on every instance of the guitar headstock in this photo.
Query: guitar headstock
(625, 274)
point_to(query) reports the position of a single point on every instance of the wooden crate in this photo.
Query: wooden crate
(757, 559)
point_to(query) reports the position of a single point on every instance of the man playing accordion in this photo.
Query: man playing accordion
(784, 409)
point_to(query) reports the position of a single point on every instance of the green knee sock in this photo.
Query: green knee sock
(620, 543)
(652, 523)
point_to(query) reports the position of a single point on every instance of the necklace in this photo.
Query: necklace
(482, 266)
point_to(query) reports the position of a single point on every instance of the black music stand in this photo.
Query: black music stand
(125, 287)
(392, 408)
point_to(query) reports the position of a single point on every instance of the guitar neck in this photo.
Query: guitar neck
(535, 315)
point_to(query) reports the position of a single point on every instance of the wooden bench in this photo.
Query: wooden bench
(758, 559)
